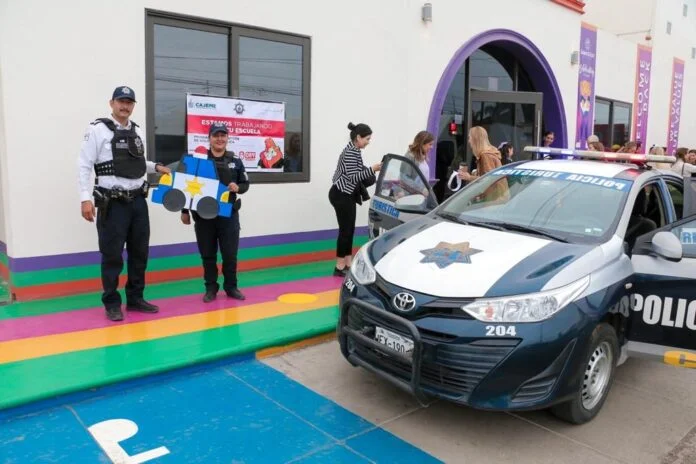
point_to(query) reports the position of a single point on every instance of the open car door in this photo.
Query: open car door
(401, 193)
(662, 321)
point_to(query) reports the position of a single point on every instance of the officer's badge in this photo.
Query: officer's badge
(139, 144)
(445, 254)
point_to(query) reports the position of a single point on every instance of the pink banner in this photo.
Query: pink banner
(675, 106)
(641, 99)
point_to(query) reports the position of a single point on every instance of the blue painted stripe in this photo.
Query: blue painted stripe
(533, 272)
(323, 413)
(245, 412)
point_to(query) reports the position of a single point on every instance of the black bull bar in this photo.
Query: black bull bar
(365, 337)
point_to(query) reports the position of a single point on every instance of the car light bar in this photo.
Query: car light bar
(603, 156)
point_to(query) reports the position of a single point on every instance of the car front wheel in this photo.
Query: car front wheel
(598, 376)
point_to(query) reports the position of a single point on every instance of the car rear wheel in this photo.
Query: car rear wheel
(597, 377)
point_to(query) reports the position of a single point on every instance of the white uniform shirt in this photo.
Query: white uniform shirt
(96, 148)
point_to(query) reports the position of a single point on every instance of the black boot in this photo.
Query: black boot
(114, 313)
(235, 293)
(209, 296)
(142, 306)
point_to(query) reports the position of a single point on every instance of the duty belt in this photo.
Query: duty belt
(117, 193)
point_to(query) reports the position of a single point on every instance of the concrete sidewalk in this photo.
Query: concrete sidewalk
(649, 416)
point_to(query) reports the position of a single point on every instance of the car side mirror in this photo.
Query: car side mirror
(667, 246)
(412, 204)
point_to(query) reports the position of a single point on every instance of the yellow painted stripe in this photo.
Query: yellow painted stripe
(18, 350)
(278, 350)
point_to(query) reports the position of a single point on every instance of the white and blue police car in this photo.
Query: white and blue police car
(526, 288)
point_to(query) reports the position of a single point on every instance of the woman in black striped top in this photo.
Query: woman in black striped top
(350, 172)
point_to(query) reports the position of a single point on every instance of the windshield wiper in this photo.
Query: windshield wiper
(521, 228)
(452, 217)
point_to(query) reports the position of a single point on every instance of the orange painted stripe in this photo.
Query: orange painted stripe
(29, 348)
(278, 350)
(74, 287)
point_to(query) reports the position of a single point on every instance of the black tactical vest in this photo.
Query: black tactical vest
(225, 168)
(128, 152)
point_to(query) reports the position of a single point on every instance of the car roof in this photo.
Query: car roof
(583, 167)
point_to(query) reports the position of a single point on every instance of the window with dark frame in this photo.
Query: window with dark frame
(612, 122)
(199, 56)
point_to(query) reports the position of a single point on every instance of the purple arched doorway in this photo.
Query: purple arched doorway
(535, 64)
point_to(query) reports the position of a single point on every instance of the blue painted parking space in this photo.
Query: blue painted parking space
(240, 412)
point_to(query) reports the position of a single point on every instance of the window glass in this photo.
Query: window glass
(272, 71)
(401, 179)
(185, 60)
(677, 195)
(601, 122)
(488, 73)
(687, 235)
(621, 124)
(558, 202)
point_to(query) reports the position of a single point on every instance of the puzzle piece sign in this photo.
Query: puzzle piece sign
(194, 186)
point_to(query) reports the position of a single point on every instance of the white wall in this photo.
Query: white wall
(371, 61)
(4, 197)
(665, 48)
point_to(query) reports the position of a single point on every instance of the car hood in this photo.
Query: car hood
(450, 260)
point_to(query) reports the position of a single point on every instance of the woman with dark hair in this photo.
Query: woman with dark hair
(507, 151)
(350, 171)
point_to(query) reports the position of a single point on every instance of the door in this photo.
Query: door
(507, 117)
(401, 193)
(662, 320)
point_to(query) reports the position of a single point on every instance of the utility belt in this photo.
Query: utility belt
(102, 196)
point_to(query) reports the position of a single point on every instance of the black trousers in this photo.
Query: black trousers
(209, 233)
(125, 223)
(344, 205)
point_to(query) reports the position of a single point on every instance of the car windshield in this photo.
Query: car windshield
(558, 205)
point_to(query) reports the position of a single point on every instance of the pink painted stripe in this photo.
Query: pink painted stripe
(94, 318)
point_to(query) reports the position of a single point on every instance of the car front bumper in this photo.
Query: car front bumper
(456, 358)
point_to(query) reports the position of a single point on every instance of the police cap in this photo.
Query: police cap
(218, 127)
(123, 93)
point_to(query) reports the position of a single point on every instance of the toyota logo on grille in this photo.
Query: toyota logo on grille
(404, 301)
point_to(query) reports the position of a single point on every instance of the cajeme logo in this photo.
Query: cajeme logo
(667, 311)
(202, 106)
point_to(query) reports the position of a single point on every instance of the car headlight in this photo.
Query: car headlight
(362, 270)
(533, 307)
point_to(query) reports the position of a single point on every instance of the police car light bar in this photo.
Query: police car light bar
(603, 156)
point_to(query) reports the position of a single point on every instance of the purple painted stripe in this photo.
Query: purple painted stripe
(94, 318)
(39, 263)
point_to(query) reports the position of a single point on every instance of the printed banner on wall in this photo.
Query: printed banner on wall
(586, 84)
(257, 129)
(675, 106)
(641, 98)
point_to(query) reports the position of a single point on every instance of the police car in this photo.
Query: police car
(526, 288)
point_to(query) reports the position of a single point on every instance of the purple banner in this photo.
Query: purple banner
(641, 98)
(586, 84)
(675, 106)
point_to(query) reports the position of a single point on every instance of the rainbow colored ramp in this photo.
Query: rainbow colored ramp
(58, 346)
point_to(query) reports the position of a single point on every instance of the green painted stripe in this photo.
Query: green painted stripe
(4, 260)
(41, 378)
(49, 276)
(168, 289)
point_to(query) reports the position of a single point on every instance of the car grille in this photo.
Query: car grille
(442, 306)
(453, 369)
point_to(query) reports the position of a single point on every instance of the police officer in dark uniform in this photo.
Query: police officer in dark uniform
(114, 149)
(221, 230)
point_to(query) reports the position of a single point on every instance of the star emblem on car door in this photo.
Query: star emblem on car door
(446, 253)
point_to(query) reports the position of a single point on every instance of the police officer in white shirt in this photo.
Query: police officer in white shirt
(114, 149)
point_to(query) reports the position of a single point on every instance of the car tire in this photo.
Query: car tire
(599, 368)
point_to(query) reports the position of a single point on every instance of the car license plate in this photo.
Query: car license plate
(393, 340)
